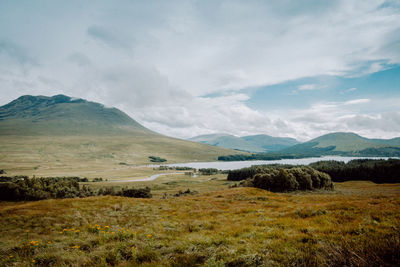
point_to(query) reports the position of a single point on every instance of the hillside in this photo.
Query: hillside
(252, 143)
(347, 144)
(61, 135)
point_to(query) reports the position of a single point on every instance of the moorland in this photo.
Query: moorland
(68, 164)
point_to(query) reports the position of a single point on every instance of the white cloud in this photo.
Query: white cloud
(357, 101)
(307, 87)
(155, 60)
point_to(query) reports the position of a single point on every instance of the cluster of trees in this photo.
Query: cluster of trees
(208, 171)
(245, 173)
(282, 179)
(126, 192)
(156, 159)
(22, 188)
(377, 171)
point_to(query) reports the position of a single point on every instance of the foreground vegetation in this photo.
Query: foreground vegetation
(355, 225)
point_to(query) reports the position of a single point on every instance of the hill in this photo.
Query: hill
(61, 135)
(252, 143)
(349, 144)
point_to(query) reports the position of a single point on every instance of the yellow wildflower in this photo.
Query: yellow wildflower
(33, 261)
(77, 231)
(27, 231)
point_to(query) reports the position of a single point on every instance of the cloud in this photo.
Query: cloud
(306, 87)
(357, 101)
(157, 60)
(110, 38)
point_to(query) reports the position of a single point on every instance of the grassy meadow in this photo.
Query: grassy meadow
(96, 156)
(357, 224)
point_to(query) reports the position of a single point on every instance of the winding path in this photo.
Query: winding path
(151, 178)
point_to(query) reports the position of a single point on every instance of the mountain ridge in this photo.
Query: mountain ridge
(347, 143)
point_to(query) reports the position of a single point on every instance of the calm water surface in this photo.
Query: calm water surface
(233, 165)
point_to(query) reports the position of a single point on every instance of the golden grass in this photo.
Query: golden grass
(356, 225)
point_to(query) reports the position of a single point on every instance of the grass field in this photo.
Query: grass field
(355, 225)
(96, 156)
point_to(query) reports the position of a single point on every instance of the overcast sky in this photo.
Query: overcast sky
(184, 68)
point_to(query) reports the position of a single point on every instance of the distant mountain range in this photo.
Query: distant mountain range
(56, 135)
(339, 143)
(350, 144)
(252, 143)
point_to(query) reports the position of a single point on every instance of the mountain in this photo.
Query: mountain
(253, 143)
(63, 115)
(61, 135)
(350, 144)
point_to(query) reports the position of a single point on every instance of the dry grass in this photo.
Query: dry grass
(227, 227)
(96, 156)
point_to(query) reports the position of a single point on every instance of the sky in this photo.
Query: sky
(285, 68)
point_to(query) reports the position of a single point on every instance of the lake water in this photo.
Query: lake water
(233, 165)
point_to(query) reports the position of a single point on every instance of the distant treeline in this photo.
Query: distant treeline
(377, 171)
(164, 168)
(281, 178)
(261, 156)
(311, 151)
(22, 188)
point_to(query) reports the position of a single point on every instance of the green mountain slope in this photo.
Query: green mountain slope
(252, 143)
(63, 115)
(347, 144)
(60, 135)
